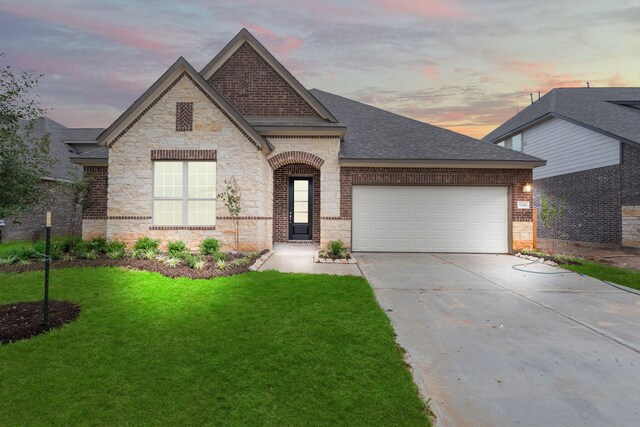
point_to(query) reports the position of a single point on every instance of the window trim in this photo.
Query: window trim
(185, 199)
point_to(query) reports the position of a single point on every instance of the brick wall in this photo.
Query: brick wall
(516, 178)
(281, 200)
(29, 224)
(592, 211)
(98, 192)
(254, 88)
(630, 175)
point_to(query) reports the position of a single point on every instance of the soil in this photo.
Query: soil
(332, 257)
(208, 272)
(23, 320)
(560, 260)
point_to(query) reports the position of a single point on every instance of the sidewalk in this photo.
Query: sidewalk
(298, 258)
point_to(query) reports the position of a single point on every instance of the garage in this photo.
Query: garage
(430, 218)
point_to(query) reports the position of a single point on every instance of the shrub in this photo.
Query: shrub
(221, 264)
(98, 244)
(81, 249)
(210, 246)
(199, 264)
(172, 262)
(145, 244)
(336, 248)
(9, 259)
(240, 262)
(114, 245)
(115, 253)
(40, 248)
(176, 247)
(67, 257)
(68, 243)
(219, 256)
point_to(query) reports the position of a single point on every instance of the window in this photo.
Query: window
(516, 142)
(184, 193)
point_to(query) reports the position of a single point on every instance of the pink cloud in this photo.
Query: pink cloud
(430, 71)
(120, 34)
(281, 45)
(424, 8)
(542, 76)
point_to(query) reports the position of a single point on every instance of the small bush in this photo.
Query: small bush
(252, 254)
(149, 254)
(336, 248)
(40, 249)
(199, 264)
(210, 246)
(68, 243)
(221, 264)
(114, 245)
(67, 257)
(146, 244)
(98, 244)
(172, 262)
(8, 260)
(177, 247)
(240, 262)
(219, 256)
(90, 254)
(115, 253)
(24, 262)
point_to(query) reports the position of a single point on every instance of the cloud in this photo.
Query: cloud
(281, 45)
(424, 8)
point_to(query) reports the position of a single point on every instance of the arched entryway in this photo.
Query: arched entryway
(296, 197)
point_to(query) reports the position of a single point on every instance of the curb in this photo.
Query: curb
(256, 265)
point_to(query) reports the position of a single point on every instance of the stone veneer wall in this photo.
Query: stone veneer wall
(327, 149)
(592, 212)
(522, 219)
(281, 200)
(129, 207)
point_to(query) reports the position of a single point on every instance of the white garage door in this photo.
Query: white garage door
(430, 219)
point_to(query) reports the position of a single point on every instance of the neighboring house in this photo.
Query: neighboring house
(311, 166)
(62, 146)
(590, 138)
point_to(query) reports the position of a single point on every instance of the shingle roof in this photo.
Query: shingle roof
(376, 134)
(612, 111)
(81, 134)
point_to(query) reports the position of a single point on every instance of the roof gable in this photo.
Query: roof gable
(180, 69)
(257, 84)
(608, 111)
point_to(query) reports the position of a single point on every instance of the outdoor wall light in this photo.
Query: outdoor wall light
(526, 188)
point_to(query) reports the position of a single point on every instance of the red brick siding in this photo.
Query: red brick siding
(98, 192)
(281, 200)
(254, 88)
(184, 116)
(515, 178)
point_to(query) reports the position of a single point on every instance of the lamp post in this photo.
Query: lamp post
(47, 260)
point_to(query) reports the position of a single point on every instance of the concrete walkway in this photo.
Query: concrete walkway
(493, 346)
(298, 258)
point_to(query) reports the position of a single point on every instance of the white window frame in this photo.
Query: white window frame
(185, 199)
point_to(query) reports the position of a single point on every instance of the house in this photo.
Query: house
(311, 166)
(590, 138)
(63, 144)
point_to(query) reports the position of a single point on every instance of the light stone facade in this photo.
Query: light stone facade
(131, 172)
(522, 235)
(631, 226)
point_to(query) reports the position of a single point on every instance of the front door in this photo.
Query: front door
(300, 208)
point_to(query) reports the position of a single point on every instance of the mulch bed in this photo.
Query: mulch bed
(23, 320)
(208, 272)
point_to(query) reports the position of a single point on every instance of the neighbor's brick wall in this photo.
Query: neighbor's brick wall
(97, 192)
(131, 172)
(254, 88)
(280, 200)
(592, 212)
(29, 225)
(630, 175)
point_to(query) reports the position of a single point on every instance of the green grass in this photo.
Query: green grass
(620, 276)
(259, 348)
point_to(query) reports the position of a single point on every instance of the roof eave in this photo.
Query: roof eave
(500, 164)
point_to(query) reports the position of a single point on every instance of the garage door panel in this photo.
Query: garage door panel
(430, 219)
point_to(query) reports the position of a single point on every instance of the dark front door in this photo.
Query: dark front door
(300, 208)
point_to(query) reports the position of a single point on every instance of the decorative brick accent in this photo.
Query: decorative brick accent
(182, 227)
(184, 155)
(184, 116)
(246, 218)
(254, 88)
(136, 217)
(295, 157)
(308, 136)
(97, 192)
(592, 212)
(281, 200)
(515, 178)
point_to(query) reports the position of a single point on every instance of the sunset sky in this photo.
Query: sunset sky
(467, 65)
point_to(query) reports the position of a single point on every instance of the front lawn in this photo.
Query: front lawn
(620, 276)
(253, 349)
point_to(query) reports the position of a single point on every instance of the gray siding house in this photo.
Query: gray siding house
(590, 138)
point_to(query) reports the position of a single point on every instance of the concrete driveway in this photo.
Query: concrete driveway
(492, 346)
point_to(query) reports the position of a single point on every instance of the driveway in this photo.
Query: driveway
(493, 346)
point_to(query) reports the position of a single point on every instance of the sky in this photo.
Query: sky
(466, 65)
